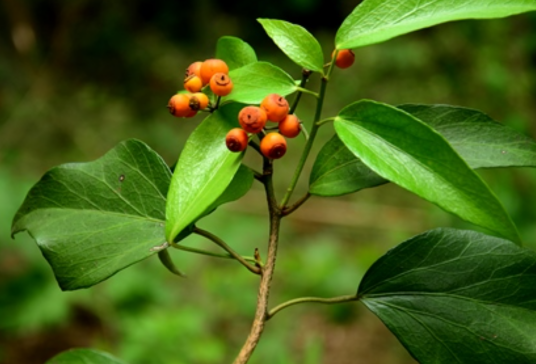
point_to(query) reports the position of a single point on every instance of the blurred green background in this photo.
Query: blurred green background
(79, 76)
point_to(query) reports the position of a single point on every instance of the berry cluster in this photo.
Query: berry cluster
(212, 72)
(253, 119)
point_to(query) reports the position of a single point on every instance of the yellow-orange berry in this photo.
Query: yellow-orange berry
(345, 58)
(198, 101)
(221, 84)
(273, 145)
(236, 140)
(179, 105)
(194, 69)
(290, 126)
(276, 107)
(193, 83)
(252, 119)
(211, 67)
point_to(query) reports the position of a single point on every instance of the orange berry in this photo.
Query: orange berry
(221, 84)
(198, 101)
(210, 67)
(276, 107)
(252, 119)
(273, 145)
(193, 83)
(345, 58)
(194, 69)
(236, 140)
(179, 105)
(290, 126)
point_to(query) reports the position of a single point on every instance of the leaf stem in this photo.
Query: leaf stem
(310, 141)
(227, 248)
(307, 91)
(340, 299)
(290, 209)
(324, 121)
(210, 254)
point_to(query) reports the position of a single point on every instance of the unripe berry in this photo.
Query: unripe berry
(290, 126)
(179, 105)
(194, 69)
(236, 140)
(345, 58)
(276, 107)
(273, 145)
(211, 67)
(252, 119)
(221, 84)
(198, 101)
(193, 83)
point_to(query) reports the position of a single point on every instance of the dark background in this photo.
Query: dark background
(77, 77)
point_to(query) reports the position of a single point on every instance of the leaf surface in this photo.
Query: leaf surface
(84, 356)
(296, 42)
(235, 52)
(406, 151)
(480, 141)
(454, 296)
(375, 21)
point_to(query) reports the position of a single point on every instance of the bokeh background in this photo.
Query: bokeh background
(79, 76)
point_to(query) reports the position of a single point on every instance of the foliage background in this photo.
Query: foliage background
(79, 76)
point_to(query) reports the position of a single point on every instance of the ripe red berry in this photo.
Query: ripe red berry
(252, 119)
(198, 101)
(221, 84)
(236, 140)
(290, 126)
(211, 67)
(276, 107)
(179, 105)
(345, 58)
(273, 145)
(193, 83)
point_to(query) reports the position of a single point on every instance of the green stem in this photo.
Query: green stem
(296, 301)
(306, 91)
(209, 254)
(304, 131)
(290, 209)
(227, 248)
(310, 141)
(324, 121)
(305, 76)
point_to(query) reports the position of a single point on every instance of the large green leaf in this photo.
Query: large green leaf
(235, 52)
(481, 141)
(408, 152)
(254, 81)
(84, 356)
(93, 219)
(453, 296)
(204, 170)
(375, 21)
(296, 42)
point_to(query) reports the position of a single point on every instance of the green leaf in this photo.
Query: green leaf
(453, 296)
(296, 42)
(253, 82)
(239, 186)
(235, 52)
(91, 220)
(84, 356)
(337, 171)
(204, 170)
(408, 152)
(481, 141)
(375, 21)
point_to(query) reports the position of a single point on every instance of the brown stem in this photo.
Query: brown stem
(261, 313)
